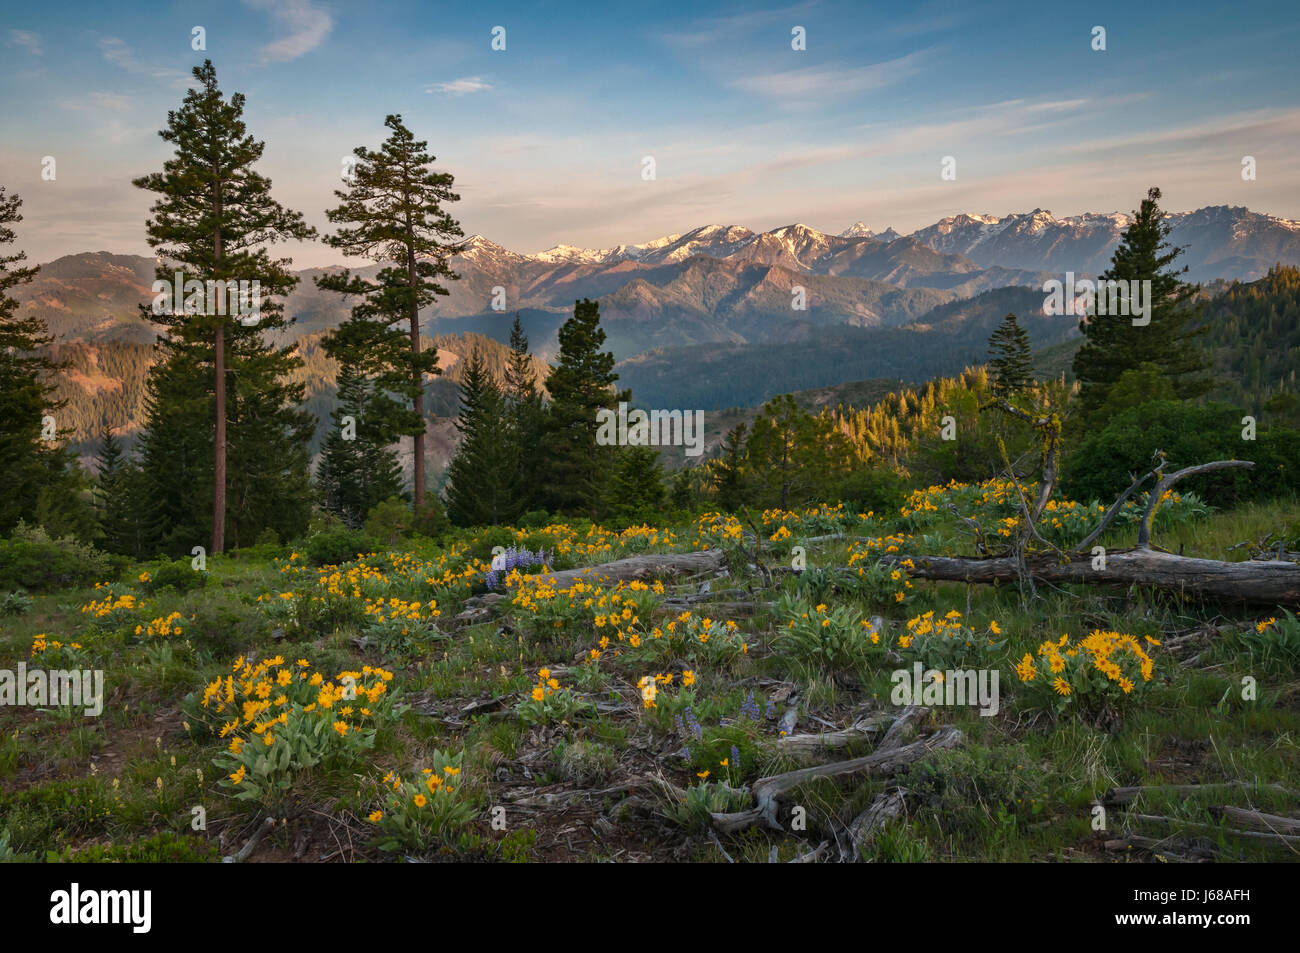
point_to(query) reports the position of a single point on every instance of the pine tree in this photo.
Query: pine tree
(358, 469)
(729, 477)
(1114, 345)
(119, 529)
(211, 223)
(525, 416)
(793, 454)
(1010, 363)
(580, 383)
(392, 213)
(30, 467)
(636, 489)
(479, 477)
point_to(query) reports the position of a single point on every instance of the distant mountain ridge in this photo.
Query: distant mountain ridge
(705, 318)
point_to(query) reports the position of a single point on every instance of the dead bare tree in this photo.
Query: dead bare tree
(1273, 581)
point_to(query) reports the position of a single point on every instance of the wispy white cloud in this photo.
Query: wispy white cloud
(99, 101)
(714, 32)
(816, 82)
(459, 87)
(308, 26)
(115, 51)
(28, 40)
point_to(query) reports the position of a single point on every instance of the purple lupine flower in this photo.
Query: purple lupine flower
(735, 757)
(693, 723)
(513, 558)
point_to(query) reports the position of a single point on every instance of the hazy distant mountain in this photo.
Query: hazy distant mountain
(706, 317)
(735, 374)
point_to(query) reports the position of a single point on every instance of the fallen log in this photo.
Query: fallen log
(1127, 795)
(1264, 582)
(645, 566)
(1258, 820)
(1289, 841)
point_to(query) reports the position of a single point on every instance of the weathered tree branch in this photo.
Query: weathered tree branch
(881, 762)
(1144, 530)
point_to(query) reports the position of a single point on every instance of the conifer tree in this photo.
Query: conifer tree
(525, 415)
(1114, 345)
(579, 384)
(729, 477)
(119, 529)
(1010, 363)
(358, 468)
(211, 223)
(793, 454)
(479, 477)
(636, 488)
(392, 212)
(30, 467)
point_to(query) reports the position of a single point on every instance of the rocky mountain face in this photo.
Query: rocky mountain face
(1219, 241)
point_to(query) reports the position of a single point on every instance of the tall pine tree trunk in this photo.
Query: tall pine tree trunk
(219, 434)
(219, 447)
(418, 402)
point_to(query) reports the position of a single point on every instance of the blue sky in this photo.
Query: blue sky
(546, 138)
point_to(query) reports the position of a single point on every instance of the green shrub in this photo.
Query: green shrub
(1099, 468)
(389, 522)
(17, 602)
(335, 546)
(179, 575)
(870, 489)
(534, 519)
(30, 559)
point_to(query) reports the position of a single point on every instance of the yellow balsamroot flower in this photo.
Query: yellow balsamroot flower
(1026, 668)
(376, 817)
(341, 727)
(1061, 686)
(420, 800)
(688, 678)
(238, 776)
